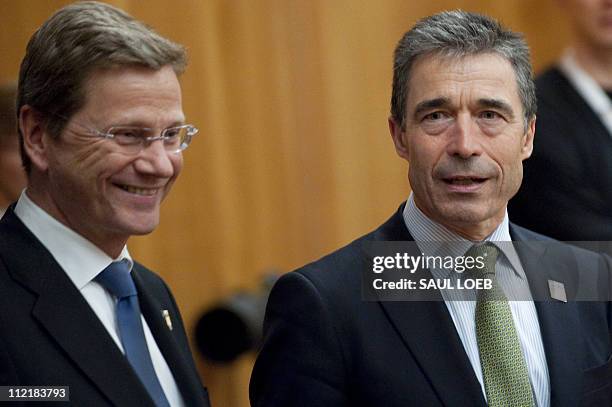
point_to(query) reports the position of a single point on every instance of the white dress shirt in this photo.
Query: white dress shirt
(82, 261)
(430, 237)
(586, 86)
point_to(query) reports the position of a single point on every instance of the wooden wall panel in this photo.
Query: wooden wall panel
(294, 157)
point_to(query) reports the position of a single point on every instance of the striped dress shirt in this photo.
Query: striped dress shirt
(434, 239)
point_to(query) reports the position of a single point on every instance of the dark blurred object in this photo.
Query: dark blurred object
(12, 175)
(567, 182)
(234, 326)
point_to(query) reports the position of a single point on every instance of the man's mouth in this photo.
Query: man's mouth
(464, 180)
(138, 190)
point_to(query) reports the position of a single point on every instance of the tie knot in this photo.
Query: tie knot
(116, 278)
(488, 252)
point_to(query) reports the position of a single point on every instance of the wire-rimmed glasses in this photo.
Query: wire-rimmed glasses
(134, 139)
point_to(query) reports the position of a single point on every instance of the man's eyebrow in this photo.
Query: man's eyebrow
(144, 124)
(430, 104)
(497, 104)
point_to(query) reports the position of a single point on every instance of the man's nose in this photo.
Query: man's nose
(465, 140)
(154, 159)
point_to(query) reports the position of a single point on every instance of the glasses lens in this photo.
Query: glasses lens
(129, 138)
(174, 139)
(133, 139)
(178, 138)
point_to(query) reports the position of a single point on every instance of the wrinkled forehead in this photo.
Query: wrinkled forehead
(447, 76)
(134, 96)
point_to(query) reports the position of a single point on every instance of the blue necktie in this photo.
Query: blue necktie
(116, 278)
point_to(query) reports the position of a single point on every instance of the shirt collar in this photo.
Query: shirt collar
(80, 259)
(434, 239)
(587, 87)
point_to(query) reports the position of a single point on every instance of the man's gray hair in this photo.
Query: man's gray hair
(457, 34)
(74, 42)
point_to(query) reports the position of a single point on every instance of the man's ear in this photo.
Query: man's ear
(527, 144)
(35, 139)
(399, 138)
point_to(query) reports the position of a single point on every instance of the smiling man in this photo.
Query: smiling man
(463, 116)
(102, 133)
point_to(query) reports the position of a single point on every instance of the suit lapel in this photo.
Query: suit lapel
(444, 351)
(68, 319)
(185, 377)
(558, 320)
(428, 331)
(430, 334)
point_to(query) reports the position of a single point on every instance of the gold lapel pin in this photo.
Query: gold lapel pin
(166, 316)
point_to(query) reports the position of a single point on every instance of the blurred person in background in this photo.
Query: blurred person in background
(567, 186)
(12, 175)
(102, 133)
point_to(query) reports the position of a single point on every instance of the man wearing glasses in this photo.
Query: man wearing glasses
(102, 133)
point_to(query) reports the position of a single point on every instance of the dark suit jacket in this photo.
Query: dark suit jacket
(325, 347)
(49, 335)
(567, 185)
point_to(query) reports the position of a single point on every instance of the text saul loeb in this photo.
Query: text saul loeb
(409, 263)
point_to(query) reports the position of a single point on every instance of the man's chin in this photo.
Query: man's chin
(138, 226)
(461, 215)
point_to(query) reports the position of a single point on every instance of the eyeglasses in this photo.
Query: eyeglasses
(134, 139)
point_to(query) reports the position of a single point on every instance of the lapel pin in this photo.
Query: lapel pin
(557, 290)
(166, 316)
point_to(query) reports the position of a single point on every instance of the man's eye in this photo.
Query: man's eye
(434, 116)
(489, 115)
(127, 133)
(172, 132)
